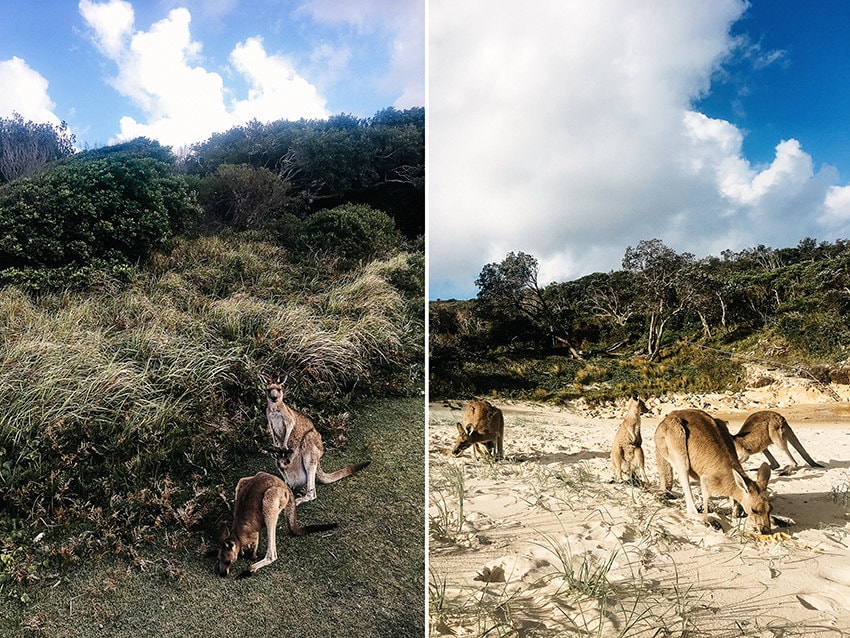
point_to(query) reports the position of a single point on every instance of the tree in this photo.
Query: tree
(511, 288)
(26, 146)
(660, 293)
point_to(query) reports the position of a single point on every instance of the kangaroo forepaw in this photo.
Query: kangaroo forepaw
(246, 574)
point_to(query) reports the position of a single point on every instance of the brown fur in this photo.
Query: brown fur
(298, 446)
(626, 451)
(765, 428)
(696, 445)
(483, 425)
(258, 502)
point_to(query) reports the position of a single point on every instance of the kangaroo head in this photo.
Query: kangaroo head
(228, 552)
(636, 403)
(274, 392)
(463, 439)
(754, 499)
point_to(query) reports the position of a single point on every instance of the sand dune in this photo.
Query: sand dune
(543, 544)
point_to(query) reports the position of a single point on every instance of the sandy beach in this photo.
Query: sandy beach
(543, 543)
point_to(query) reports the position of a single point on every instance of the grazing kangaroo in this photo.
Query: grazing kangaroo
(764, 428)
(696, 445)
(483, 425)
(259, 501)
(626, 452)
(298, 446)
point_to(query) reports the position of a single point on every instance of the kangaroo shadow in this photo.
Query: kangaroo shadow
(812, 510)
(558, 457)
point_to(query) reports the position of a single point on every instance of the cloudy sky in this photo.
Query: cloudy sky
(574, 129)
(177, 71)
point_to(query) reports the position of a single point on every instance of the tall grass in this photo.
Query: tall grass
(446, 521)
(113, 397)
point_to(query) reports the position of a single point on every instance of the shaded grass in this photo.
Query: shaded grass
(365, 578)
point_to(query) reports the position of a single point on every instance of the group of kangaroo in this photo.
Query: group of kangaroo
(259, 500)
(690, 443)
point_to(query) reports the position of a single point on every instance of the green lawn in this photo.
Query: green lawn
(364, 578)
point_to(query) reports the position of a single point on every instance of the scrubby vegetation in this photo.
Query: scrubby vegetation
(143, 295)
(665, 322)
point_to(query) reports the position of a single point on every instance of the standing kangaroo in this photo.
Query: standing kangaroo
(696, 445)
(764, 428)
(259, 501)
(298, 446)
(483, 424)
(626, 452)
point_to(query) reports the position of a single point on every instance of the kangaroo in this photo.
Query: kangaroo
(259, 501)
(764, 428)
(483, 425)
(626, 452)
(298, 446)
(696, 445)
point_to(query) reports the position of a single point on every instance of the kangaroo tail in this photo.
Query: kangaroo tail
(795, 443)
(799, 446)
(296, 528)
(325, 478)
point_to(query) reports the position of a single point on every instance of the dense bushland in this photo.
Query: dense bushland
(378, 161)
(664, 322)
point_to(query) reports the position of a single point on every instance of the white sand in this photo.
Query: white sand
(550, 503)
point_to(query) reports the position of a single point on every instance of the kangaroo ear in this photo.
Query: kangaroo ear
(223, 533)
(460, 429)
(264, 379)
(763, 476)
(739, 480)
(634, 395)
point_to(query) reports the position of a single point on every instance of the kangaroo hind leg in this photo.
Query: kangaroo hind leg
(273, 501)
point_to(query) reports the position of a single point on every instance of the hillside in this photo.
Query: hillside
(666, 322)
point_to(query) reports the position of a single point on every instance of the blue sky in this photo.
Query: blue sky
(573, 130)
(179, 71)
(801, 90)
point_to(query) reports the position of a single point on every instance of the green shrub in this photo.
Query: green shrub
(820, 334)
(104, 210)
(242, 197)
(354, 232)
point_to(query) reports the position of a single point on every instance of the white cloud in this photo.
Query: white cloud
(25, 92)
(405, 24)
(837, 205)
(161, 72)
(112, 23)
(277, 91)
(567, 130)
